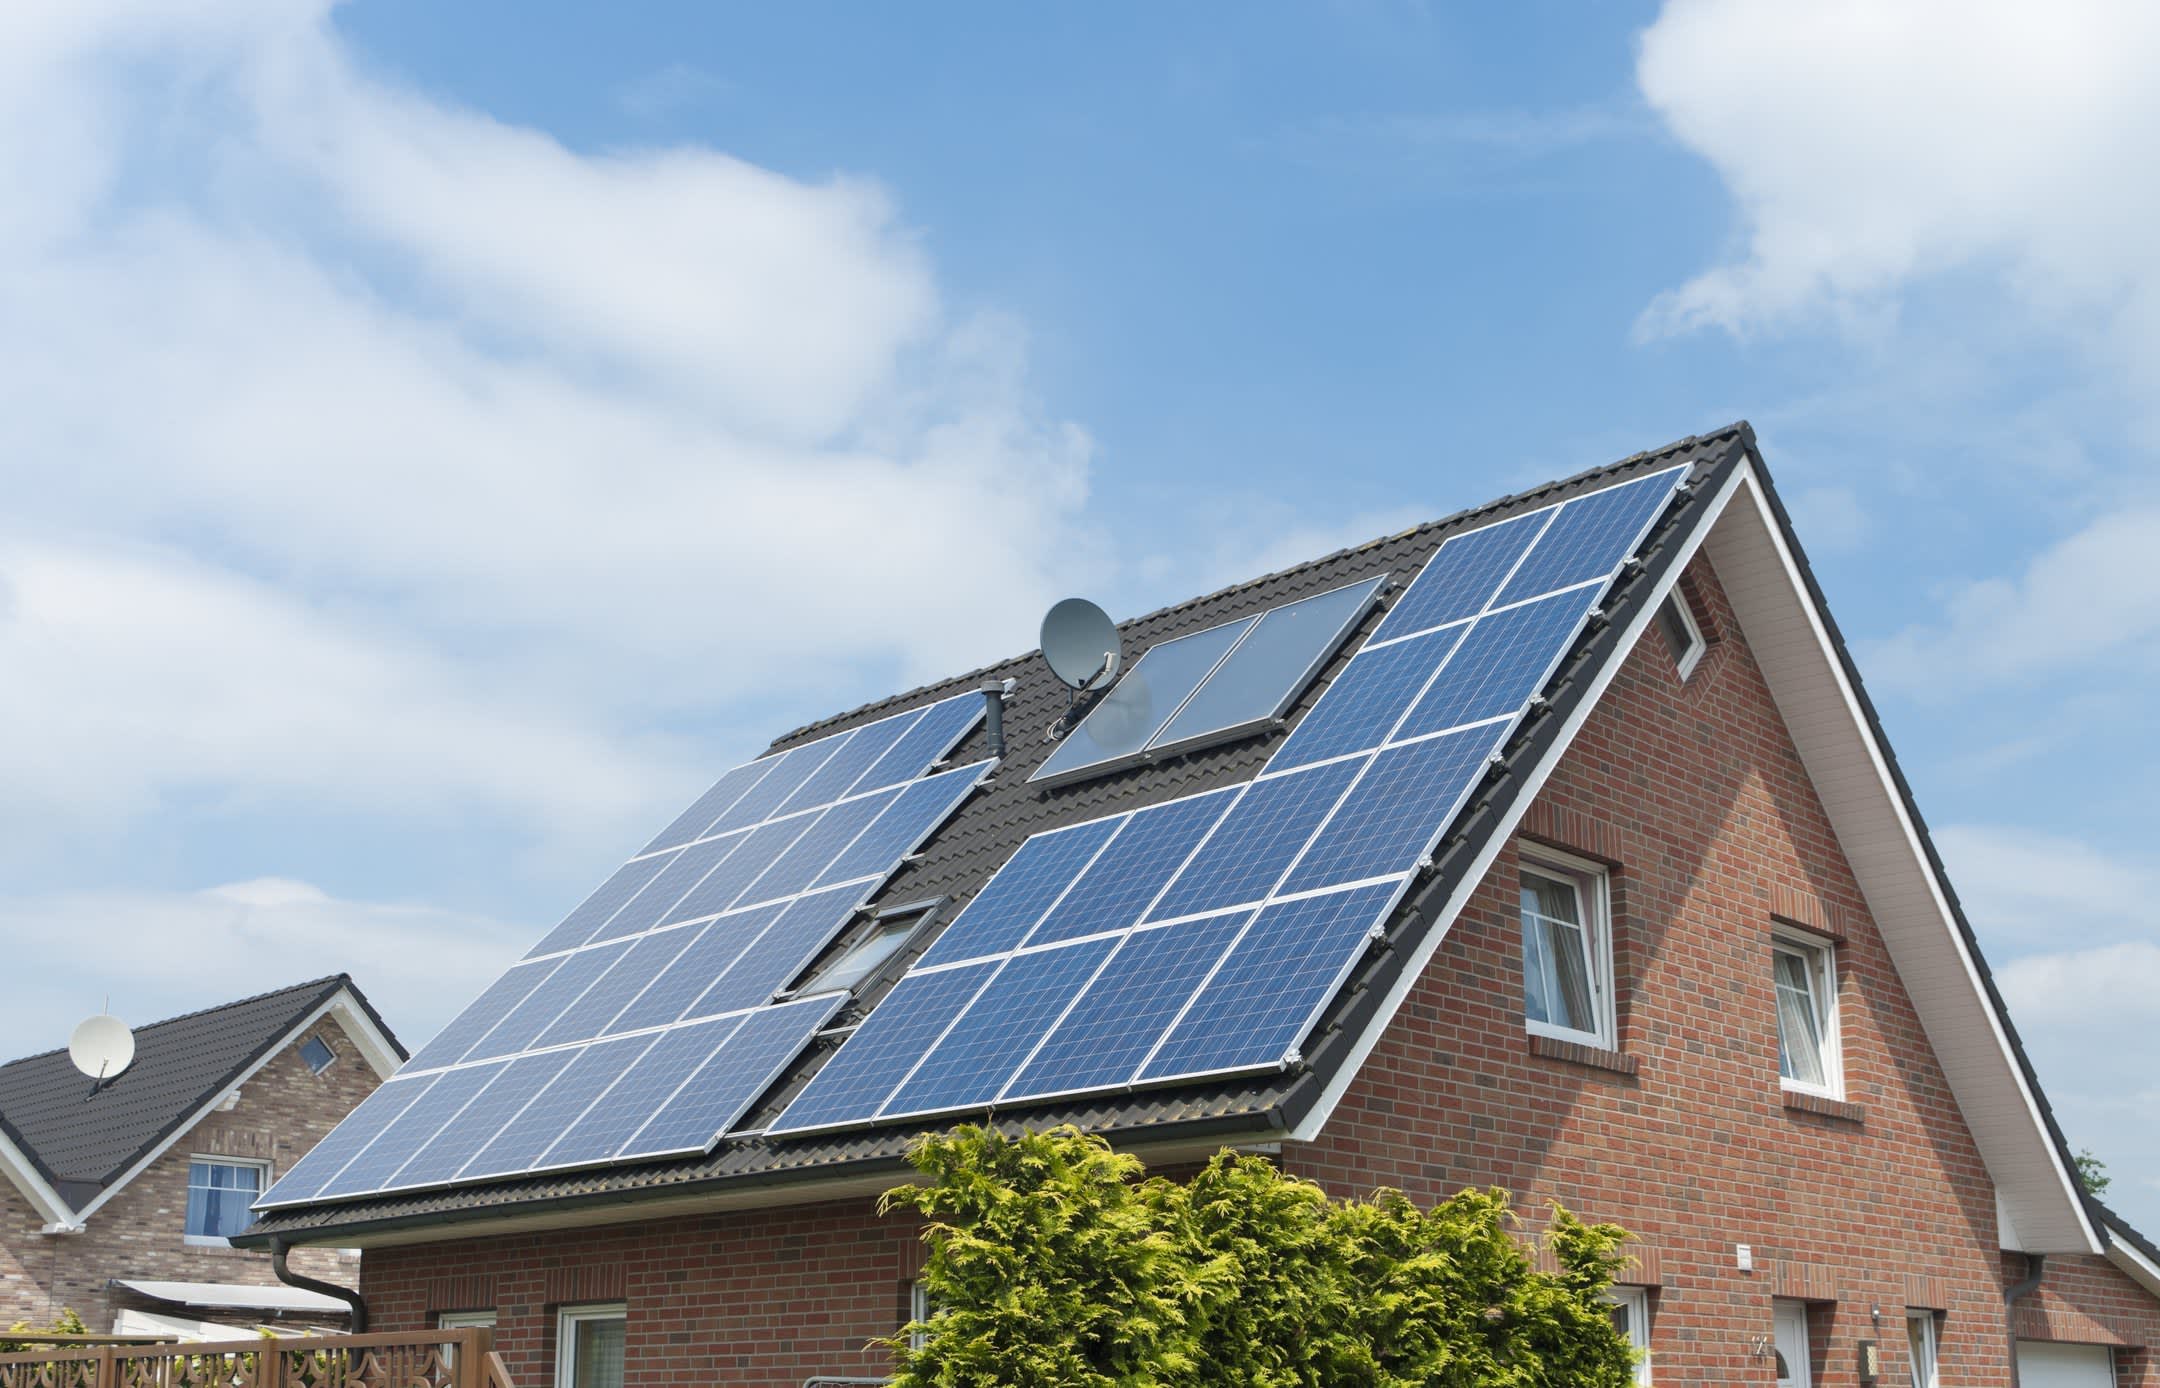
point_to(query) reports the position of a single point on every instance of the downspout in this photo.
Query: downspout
(2035, 1269)
(304, 1283)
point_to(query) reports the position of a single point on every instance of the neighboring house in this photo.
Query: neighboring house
(120, 1203)
(1573, 860)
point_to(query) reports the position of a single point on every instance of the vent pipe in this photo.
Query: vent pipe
(993, 692)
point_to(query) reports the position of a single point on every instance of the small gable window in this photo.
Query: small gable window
(1683, 638)
(1806, 978)
(219, 1193)
(317, 1053)
(1567, 950)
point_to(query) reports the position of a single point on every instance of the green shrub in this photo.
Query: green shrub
(1053, 1262)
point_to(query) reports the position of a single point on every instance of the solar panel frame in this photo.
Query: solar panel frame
(1263, 834)
(589, 916)
(1039, 878)
(1462, 577)
(396, 1143)
(802, 1018)
(876, 1068)
(1149, 849)
(695, 822)
(481, 1015)
(305, 1177)
(1360, 710)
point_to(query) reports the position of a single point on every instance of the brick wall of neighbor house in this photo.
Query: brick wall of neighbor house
(282, 1111)
(1695, 795)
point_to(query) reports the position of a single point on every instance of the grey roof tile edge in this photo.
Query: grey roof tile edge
(1256, 1104)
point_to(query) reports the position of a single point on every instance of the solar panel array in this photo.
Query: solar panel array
(1211, 685)
(1203, 936)
(644, 1025)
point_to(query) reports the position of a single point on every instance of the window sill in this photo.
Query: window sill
(1801, 1101)
(1576, 1053)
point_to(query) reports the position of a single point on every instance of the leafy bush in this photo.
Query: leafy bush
(1053, 1262)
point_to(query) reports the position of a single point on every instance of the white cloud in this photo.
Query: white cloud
(1868, 145)
(2088, 596)
(163, 953)
(2023, 885)
(2087, 990)
(441, 449)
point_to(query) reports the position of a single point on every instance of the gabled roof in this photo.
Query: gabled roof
(84, 1145)
(1726, 492)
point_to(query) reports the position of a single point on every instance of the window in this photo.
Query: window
(1920, 1332)
(219, 1193)
(918, 1310)
(1806, 976)
(317, 1053)
(1567, 950)
(888, 933)
(1631, 1317)
(1682, 637)
(464, 1320)
(589, 1346)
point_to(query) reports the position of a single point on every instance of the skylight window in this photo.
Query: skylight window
(1211, 686)
(860, 961)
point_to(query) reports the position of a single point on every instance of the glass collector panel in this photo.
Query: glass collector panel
(1129, 716)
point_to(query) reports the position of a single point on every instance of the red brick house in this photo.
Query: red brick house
(121, 1198)
(1651, 927)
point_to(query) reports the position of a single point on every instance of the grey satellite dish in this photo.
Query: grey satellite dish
(1080, 644)
(101, 1047)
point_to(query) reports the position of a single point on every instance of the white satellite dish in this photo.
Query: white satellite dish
(101, 1047)
(1080, 644)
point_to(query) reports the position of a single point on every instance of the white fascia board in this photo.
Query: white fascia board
(2140, 1269)
(375, 1045)
(34, 1187)
(1503, 832)
(1906, 897)
(339, 1002)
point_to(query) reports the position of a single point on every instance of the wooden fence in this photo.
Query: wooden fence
(414, 1359)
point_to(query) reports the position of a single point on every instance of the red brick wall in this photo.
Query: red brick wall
(765, 1298)
(285, 1109)
(1695, 796)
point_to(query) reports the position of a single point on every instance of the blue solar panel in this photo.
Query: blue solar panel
(514, 1085)
(579, 926)
(724, 886)
(1367, 699)
(1008, 906)
(602, 1130)
(1591, 535)
(1256, 841)
(693, 822)
(326, 1158)
(910, 819)
(396, 1143)
(981, 1051)
(651, 906)
(1462, 576)
(1506, 658)
(1125, 876)
(763, 800)
(517, 1146)
(480, 1017)
(640, 964)
(884, 1048)
(1118, 1020)
(717, 946)
(808, 857)
(943, 725)
(1392, 815)
(780, 953)
(1141, 702)
(1271, 666)
(862, 750)
(717, 1095)
(563, 987)
(1260, 1003)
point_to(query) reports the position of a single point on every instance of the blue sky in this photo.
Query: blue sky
(440, 437)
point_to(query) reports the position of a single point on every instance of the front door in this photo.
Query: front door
(1791, 1343)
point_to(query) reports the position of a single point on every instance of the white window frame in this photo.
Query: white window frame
(1691, 655)
(567, 1321)
(1637, 1302)
(1922, 1374)
(464, 1320)
(1787, 1311)
(918, 1310)
(1820, 955)
(262, 1183)
(1593, 895)
(328, 1049)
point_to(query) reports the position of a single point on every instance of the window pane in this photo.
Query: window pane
(1553, 899)
(1800, 1054)
(1534, 973)
(219, 1194)
(599, 1354)
(1571, 979)
(1920, 1332)
(1677, 638)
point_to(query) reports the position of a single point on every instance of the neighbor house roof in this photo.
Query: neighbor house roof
(1724, 471)
(83, 1145)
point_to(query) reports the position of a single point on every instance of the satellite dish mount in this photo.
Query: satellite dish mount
(1080, 645)
(101, 1047)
